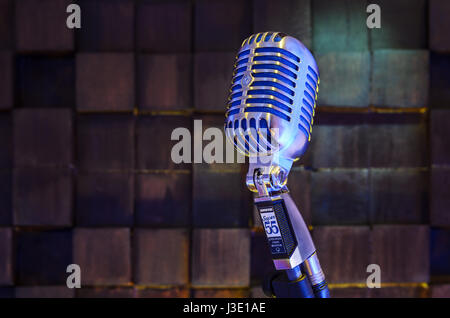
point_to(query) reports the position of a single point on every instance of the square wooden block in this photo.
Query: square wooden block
(339, 26)
(398, 197)
(45, 82)
(344, 252)
(402, 252)
(403, 25)
(105, 82)
(43, 137)
(106, 25)
(292, 17)
(347, 142)
(222, 25)
(340, 197)
(41, 26)
(164, 82)
(42, 257)
(105, 199)
(164, 26)
(400, 131)
(161, 256)
(163, 199)
(104, 255)
(105, 142)
(221, 257)
(399, 77)
(155, 144)
(345, 80)
(220, 198)
(42, 197)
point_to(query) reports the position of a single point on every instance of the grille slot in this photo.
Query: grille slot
(268, 101)
(275, 76)
(276, 59)
(274, 85)
(274, 67)
(310, 94)
(271, 93)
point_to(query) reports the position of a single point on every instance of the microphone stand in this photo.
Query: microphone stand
(299, 274)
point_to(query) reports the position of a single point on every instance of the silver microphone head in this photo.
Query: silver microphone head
(273, 97)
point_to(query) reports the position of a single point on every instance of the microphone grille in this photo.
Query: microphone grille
(271, 87)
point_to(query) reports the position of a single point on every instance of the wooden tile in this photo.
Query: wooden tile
(400, 78)
(42, 197)
(42, 137)
(343, 252)
(155, 153)
(45, 82)
(340, 197)
(398, 197)
(402, 252)
(42, 257)
(339, 26)
(103, 255)
(105, 142)
(163, 199)
(164, 26)
(106, 25)
(105, 82)
(162, 75)
(221, 25)
(345, 80)
(41, 26)
(292, 17)
(403, 25)
(105, 199)
(161, 256)
(221, 257)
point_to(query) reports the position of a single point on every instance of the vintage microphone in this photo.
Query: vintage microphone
(269, 118)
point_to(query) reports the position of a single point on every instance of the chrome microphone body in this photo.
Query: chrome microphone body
(269, 118)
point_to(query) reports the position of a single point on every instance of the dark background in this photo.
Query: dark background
(85, 169)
